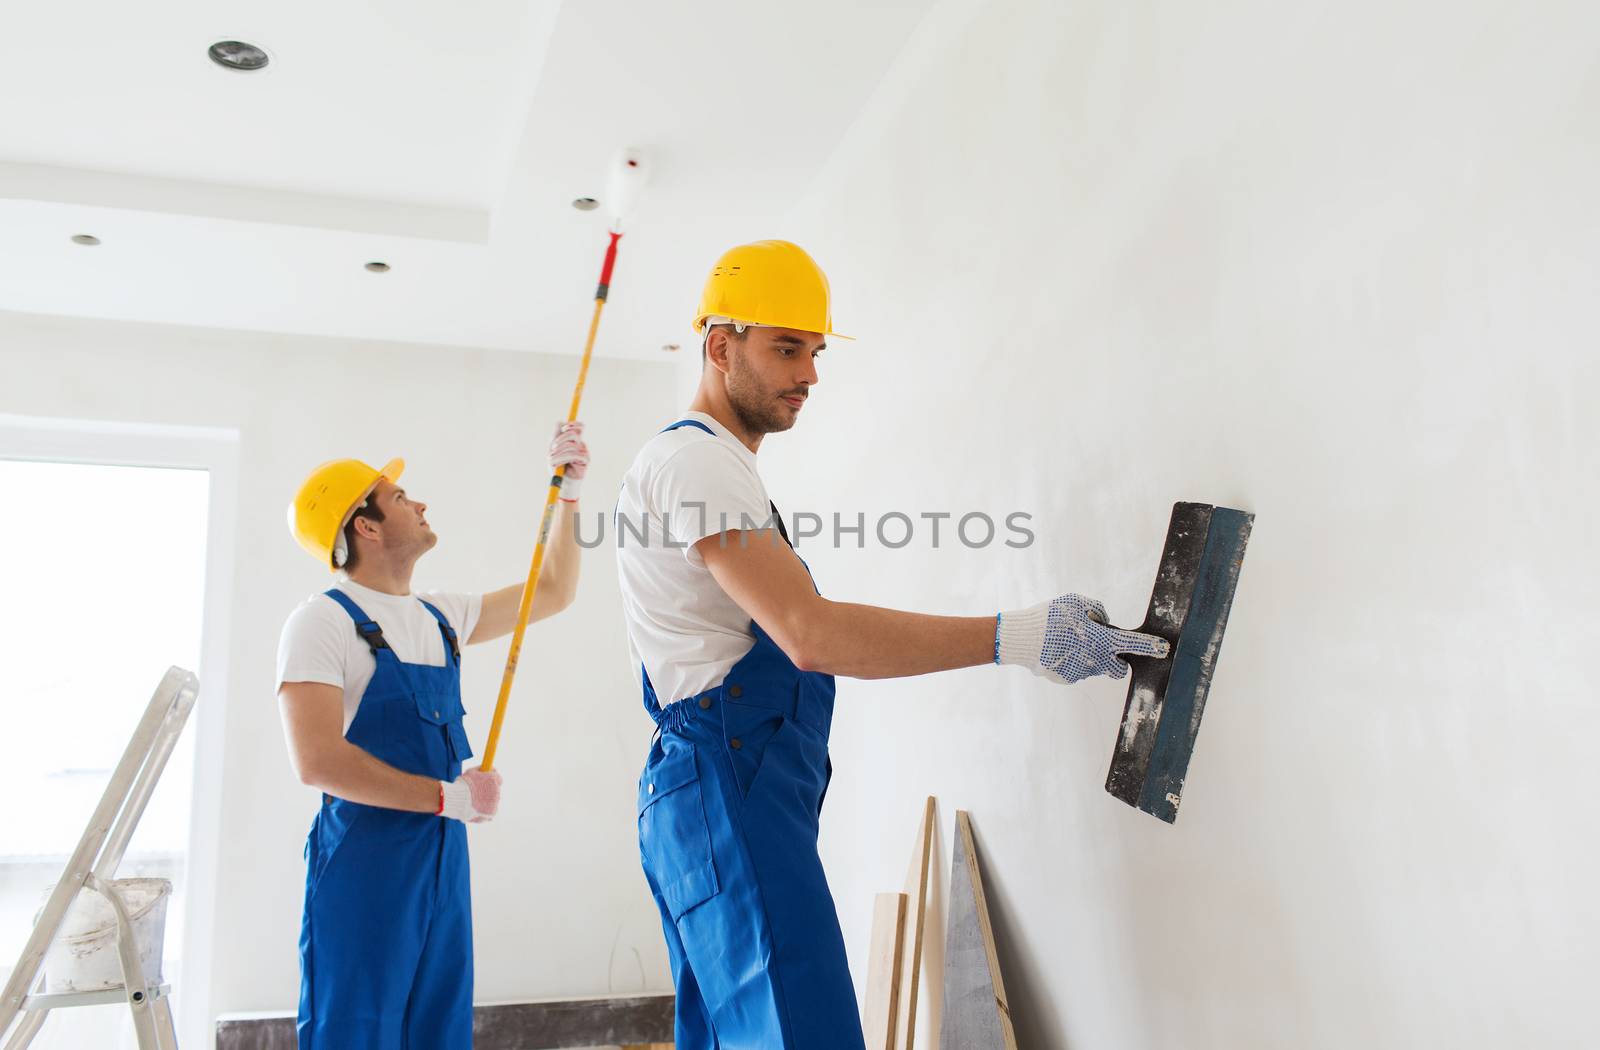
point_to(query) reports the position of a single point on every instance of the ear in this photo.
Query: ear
(368, 528)
(718, 344)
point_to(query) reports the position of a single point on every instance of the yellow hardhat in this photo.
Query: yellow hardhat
(327, 500)
(768, 283)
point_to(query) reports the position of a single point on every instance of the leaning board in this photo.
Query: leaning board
(976, 1014)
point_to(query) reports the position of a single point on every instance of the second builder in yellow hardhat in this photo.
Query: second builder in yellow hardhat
(736, 652)
(369, 687)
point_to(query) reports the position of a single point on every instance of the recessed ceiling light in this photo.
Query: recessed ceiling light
(85, 238)
(238, 56)
(586, 204)
(378, 267)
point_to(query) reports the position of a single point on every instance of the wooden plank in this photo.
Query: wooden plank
(977, 1015)
(883, 970)
(917, 907)
(549, 1024)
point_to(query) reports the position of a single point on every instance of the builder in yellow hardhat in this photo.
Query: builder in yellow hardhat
(738, 650)
(369, 685)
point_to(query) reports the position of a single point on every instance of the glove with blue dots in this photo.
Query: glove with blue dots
(1067, 639)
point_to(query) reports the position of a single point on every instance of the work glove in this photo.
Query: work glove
(568, 448)
(1067, 639)
(473, 797)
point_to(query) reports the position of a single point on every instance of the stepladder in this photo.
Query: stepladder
(29, 998)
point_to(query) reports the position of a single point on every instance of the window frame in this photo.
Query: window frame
(183, 447)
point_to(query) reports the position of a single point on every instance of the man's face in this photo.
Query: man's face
(770, 375)
(404, 527)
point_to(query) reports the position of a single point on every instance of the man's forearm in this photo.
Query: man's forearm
(866, 641)
(558, 583)
(352, 774)
(561, 556)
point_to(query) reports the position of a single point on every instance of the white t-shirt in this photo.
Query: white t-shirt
(683, 486)
(320, 644)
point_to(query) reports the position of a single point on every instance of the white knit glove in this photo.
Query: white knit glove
(473, 797)
(1067, 639)
(567, 448)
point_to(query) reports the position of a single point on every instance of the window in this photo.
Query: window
(106, 570)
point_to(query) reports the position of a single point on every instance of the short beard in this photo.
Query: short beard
(758, 411)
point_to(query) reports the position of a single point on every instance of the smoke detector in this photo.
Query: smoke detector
(238, 56)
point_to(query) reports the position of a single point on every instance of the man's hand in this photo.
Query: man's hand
(1067, 639)
(567, 449)
(473, 797)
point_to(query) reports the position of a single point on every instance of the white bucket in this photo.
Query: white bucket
(83, 957)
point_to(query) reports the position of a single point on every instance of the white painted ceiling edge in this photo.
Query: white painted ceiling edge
(446, 142)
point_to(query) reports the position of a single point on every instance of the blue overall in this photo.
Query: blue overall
(386, 941)
(728, 808)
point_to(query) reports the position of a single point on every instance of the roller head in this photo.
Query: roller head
(629, 172)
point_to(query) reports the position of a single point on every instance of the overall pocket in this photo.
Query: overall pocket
(436, 735)
(746, 731)
(328, 833)
(460, 747)
(793, 777)
(674, 836)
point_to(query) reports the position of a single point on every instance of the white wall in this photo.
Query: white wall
(560, 905)
(1332, 263)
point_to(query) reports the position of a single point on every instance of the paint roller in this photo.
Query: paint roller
(1189, 606)
(628, 175)
(629, 172)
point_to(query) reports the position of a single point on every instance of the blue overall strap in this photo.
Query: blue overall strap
(777, 516)
(366, 626)
(449, 632)
(690, 423)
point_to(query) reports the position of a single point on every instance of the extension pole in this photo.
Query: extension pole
(550, 500)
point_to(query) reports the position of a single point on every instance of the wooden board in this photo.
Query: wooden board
(976, 1014)
(917, 907)
(883, 970)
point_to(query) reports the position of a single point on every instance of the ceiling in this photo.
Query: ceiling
(445, 140)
